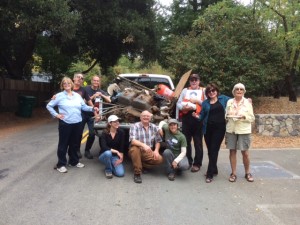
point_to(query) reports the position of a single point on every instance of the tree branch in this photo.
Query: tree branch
(91, 67)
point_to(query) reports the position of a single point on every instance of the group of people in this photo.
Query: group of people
(204, 111)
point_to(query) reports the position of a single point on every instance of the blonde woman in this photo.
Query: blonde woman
(69, 105)
(239, 115)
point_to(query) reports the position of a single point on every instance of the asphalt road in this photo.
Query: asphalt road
(32, 192)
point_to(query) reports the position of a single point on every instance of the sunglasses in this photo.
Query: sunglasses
(193, 79)
(65, 83)
(79, 77)
(211, 91)
(239, 89)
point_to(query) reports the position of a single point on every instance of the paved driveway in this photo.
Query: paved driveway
(31, 192)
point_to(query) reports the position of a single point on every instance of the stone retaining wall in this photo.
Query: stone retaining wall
(278, 125)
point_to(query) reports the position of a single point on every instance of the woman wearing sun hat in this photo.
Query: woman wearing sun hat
(112, 143)
(239, 115)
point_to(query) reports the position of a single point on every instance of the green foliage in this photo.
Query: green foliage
(184, 12)
(125, 65)
(80, 66)
(282, 20)
(227, 45)
(23, 21)
(109, 29)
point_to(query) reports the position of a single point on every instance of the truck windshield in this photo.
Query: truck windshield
(149, 82)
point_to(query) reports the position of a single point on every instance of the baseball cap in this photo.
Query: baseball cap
(173, 121)
(194, 75)
(112, 118)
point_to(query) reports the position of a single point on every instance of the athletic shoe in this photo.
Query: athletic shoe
(108, 175)
(78, 165)
(62, 169)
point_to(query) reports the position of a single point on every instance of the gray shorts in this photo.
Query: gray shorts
(237, 141)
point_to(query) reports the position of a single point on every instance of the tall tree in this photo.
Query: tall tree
(282, 19)
(228, 45)
(21, 22)
(183, 14)
(109, 29)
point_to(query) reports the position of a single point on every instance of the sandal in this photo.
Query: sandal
(232, 178)
(195, 169)
(248, 177)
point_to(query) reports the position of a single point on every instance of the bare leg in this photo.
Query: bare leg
(232, 158)
(246, 161)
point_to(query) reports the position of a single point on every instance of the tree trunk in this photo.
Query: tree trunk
(15, 62)
(290, 88)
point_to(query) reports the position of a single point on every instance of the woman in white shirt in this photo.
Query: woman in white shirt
(239, 115)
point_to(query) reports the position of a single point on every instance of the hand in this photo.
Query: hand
(97, 118)
(60, 116)
(96, 110)
(120, 160)
(187, 108)
(99, 94)
(193, 100)
(53, 97)
(156, 154)
(174, 165)
(195, 115)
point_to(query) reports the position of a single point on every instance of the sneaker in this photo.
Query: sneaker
(79, 154)
(108, 175)
(88, 155)
(62, 169)
(78, 165)
(137, 178)
(171, 176)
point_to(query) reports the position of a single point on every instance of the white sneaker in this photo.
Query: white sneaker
(62, 169)
(78, 165)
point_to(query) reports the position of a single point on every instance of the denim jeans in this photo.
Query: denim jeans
(169, 158)
(108, 159)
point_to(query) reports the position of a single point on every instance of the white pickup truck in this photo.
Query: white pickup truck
(127, 103)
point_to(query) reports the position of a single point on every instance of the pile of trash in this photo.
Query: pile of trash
(129, 99)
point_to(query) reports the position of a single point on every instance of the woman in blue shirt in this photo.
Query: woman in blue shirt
(214, 126)
(69, 105)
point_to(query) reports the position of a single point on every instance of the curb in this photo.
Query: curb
(269, 149)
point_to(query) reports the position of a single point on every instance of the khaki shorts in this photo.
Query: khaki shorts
(238, 141)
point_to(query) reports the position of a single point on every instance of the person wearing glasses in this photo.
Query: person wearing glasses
(239, 115)
(112, 143)
(214, 126)
(88, 118)
(189, 102)
(78, 81)
(69, 105)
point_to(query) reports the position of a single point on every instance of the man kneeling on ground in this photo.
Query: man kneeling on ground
(144, 147)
